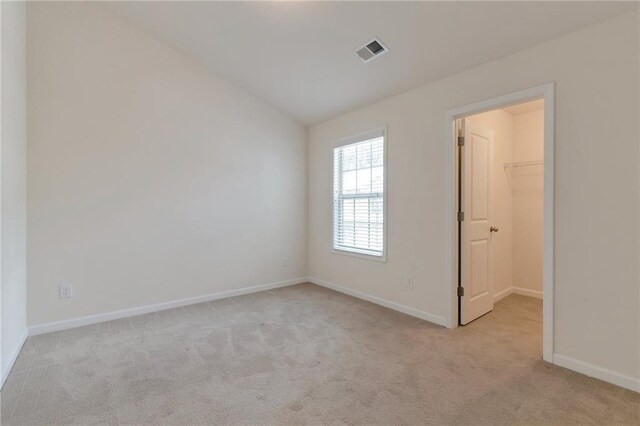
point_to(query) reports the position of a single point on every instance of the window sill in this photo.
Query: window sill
(382, 259)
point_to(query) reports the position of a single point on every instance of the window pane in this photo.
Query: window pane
(349, 182)
(364, 155)
(377, 150)
(358, 200)
(349, 158)
(376, 210)
(377, 179)
(348, 210)
(348, 236)
(362, 210)
(364, 181)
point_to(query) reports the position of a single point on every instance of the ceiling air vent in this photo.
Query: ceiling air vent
(373, 49)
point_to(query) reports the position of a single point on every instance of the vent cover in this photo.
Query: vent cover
(373, 49)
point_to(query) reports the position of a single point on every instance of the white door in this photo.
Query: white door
(476, 180)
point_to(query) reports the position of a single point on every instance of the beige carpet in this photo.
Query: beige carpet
(305, 355)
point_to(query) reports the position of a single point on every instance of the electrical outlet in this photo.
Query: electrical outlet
(285, 262)
(408, 281)
(65, 291)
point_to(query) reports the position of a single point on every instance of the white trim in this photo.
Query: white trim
(502, 294)
(361, 137)
(355, 253)
(546, 92)
(124, 313)
(14, 357)
(527, 292)
(379, 301)
(2, 375)
(548, 249)
(517, 290)
(591, 370)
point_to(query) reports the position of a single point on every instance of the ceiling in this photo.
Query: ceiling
(299, 56)
(525, 107)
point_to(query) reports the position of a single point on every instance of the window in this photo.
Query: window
(358, 195)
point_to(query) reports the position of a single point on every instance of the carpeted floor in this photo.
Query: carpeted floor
(305, 355)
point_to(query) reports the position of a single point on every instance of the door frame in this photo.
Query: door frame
(546, 92)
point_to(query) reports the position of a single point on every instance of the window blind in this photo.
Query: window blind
(358, 201)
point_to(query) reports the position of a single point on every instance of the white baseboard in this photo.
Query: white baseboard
(14, 357)
(517, 290)
(109, 316)
(502, 294)
(591, 370)
(560, 360)
(379, 301)
(527, 292)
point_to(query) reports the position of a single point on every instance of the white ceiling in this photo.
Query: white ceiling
(299, 56)
(525, 107)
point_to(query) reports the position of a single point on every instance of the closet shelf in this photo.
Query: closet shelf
(523, 164)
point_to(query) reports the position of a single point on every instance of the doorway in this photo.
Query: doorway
(501, 208)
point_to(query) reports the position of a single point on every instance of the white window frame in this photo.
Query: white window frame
(361, 137)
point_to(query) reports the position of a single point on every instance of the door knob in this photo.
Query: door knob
(493, 229)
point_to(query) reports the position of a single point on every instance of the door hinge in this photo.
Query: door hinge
(460, 140)
(460, 291)
(460, 216)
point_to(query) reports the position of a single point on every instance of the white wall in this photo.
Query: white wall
(596, 188)
(501, 212)
(527, 199)
(150, 178)
(13, 166)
